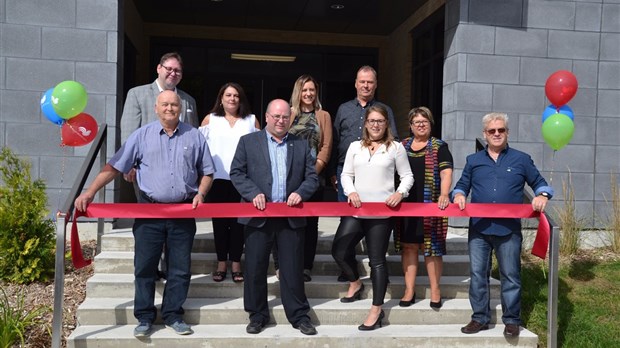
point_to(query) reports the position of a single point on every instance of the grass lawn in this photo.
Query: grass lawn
(588, 299)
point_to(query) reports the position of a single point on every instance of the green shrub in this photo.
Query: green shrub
(26, 234)
(15, 320)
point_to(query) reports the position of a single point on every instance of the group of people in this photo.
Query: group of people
(228, 158)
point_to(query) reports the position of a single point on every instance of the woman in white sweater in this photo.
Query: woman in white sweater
(368, 176)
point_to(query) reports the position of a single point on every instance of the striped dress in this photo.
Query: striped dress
(426, 165)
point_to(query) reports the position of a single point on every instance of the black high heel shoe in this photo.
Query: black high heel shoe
(436, 305)
(356, 296)
(407, 303)
(373, 326)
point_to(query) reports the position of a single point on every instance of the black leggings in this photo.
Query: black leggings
(227, 232)
(377, 233)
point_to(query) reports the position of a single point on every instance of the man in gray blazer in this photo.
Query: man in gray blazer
(138, 109)
(274, 166)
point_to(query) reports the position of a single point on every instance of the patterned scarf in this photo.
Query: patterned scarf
(435, 228)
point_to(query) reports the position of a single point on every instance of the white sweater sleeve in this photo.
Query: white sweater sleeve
(404, 170)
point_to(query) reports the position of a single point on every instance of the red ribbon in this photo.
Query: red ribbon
(228, 210)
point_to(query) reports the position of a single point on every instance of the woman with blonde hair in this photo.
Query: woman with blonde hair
(311, 122)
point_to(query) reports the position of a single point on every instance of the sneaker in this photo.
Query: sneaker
(180, 328)
(143, 329)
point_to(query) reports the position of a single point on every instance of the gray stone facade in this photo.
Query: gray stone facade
(43, 43)
(498, 57)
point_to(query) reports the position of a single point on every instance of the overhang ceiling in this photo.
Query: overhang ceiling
(364, 17)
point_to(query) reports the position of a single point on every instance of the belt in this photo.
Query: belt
(144, 198)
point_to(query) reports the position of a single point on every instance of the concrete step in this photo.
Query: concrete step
(122, 262)
(424, 336)
(122, 285)
(220, 311)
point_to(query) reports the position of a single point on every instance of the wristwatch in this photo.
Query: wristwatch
(544, 194)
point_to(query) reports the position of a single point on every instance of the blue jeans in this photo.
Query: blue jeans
(341, 196)
(508, 253)
(150, 237)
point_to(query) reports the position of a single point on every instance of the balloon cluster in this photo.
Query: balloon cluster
(558, 126)
(63, 106)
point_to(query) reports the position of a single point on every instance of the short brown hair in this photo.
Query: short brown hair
(422, 111)
(171, 55)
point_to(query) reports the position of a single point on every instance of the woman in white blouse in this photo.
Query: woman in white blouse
(229, 119)
(368, 176)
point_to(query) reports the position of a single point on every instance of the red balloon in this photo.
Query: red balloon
(561, 86)
(79, 130)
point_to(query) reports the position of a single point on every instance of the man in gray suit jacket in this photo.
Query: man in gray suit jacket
(140, 101)
(274, 166)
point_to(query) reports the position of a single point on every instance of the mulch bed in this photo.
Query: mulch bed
(42, 294)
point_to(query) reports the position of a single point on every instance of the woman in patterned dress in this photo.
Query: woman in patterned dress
(431, 163)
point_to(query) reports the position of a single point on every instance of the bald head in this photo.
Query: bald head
(278, 118)
(167, 108)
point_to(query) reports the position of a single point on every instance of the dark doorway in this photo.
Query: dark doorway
(427, 72)
(208, 65)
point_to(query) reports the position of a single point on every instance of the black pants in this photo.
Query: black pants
(310, 237)
(377, 233)
(259, 243)
(227, 232)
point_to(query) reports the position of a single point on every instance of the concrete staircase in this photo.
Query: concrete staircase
(215, 310)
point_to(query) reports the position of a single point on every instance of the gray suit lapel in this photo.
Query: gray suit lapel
(264, 147)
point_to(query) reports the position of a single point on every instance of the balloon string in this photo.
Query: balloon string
(62, 172)
(552, 168)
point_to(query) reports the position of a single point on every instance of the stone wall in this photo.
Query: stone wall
(498, 57)
(43, 43)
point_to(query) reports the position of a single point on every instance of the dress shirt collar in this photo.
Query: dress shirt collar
(271, 138)
(161, 89)
(369, 103)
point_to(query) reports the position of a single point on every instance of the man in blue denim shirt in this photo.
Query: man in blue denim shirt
(497, 175)
(175, 166)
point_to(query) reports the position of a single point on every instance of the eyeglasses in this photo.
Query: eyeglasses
(494, 130)
(419, 123)
(376, 122)
(172, 70)
(283, 118)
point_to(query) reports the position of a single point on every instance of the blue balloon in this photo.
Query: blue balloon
(552, 109)
(48, 109)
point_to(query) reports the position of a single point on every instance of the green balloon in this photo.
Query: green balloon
(557, 130)
(69, 99)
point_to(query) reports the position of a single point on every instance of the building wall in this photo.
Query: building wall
(498, 57)
(396, 51)
(43, 43)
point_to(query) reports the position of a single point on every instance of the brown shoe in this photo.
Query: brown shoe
(511, 330)
(474, 327)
